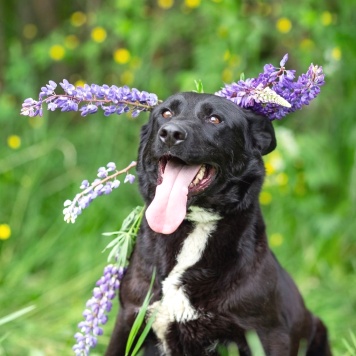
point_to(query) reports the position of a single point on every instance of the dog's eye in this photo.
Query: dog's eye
(214, 119)
(167, 114)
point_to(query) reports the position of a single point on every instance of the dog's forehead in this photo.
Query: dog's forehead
(200, 102)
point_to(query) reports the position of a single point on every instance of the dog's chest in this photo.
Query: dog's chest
(175, 305)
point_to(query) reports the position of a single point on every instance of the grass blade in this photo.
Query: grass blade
(16, 314)
(139, 321)
(144, 334)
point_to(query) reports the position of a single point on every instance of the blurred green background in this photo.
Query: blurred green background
(162, 46)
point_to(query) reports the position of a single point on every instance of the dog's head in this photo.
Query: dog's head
(201, 150)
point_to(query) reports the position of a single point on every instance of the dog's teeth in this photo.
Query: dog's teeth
(201, 173)
(198, 177)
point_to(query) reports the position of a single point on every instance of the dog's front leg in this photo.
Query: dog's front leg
(276, 343)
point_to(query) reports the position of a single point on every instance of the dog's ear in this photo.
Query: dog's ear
(144, 134)
(262, 131)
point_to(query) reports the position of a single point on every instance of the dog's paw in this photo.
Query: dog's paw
(179, 307)
(175, 306)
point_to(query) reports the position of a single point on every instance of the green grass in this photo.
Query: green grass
(50, 267)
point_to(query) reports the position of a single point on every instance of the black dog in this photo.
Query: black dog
(200, 172)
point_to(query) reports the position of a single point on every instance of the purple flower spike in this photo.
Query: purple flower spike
(103, 185)
(97, 308)
(275, 93)
(90, 98)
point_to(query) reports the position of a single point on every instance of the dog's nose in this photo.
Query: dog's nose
(172, 134)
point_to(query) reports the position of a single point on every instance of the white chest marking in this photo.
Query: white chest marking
(175, 305)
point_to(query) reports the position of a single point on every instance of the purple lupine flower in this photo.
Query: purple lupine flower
(129, 178)
(48, 89)
(275, 93)
(115, 184)
(102, 172)
(284, 60)
(84, 93)
(111, 166)
(88, 99)
(52, 106)
(97, 307)
(68, 87)
(65, 103)
(88, 109)
(85, 184)
(31, 107)
(103, 185)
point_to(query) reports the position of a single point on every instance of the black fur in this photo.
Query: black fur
(238, 283)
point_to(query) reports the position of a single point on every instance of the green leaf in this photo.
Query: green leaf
(110, 233)
(198, 86)
(144, 334)
(123, 245)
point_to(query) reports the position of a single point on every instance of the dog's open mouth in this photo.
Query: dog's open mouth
(201, 180)
(177, 181)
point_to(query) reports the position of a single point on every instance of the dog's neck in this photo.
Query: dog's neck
(199, 215)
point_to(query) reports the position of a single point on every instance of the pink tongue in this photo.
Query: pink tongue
(169, 206)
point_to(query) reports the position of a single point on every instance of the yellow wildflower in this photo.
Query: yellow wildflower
(122, 56)
(326, 18)
(284, 25)
(14, 142)
(78, 18)
(227, 75)
(307, 44)
(192, 3)
(282, 179)
(336, 53)
(165, 4)
(71, 41)
(276, 239)
(57, 52)
(5, 231)
(79, 83)
(98, 34)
